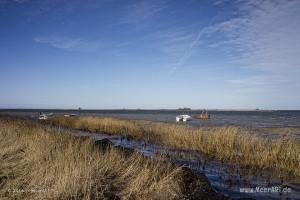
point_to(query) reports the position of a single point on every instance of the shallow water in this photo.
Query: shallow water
(253, 119)
(224, 178)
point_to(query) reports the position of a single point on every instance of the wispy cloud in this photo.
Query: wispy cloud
(189, 50)
(263, 36)
(192, 45)
(173, 42)
(66, 43)
(143, 10)
(263, 80)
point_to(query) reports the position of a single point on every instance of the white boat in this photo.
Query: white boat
(43, 117)
(183, 118)
(70, 115)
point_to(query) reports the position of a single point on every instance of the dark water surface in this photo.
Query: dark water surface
(253, 119)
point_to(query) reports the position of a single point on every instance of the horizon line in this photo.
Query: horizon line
(149, 109)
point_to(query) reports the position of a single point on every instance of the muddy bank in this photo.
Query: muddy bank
(195, 185)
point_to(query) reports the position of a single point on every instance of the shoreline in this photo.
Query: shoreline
(280, 119)
(137, 109)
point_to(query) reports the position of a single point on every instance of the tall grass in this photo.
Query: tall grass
(40, 163)
(230, 143)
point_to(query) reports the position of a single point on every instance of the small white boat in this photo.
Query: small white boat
(183, 118)
(70, 115)
(43, 117)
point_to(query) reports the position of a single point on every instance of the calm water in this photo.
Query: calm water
(255, 119)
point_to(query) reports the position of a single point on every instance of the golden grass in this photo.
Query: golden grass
(40, 163)
(231, 144)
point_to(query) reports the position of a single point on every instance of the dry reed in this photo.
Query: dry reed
(41, 163)
(230, 143)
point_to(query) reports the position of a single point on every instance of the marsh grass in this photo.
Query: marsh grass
(231, 144)
(41, 163)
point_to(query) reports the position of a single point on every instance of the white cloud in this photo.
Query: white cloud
(174, 41)
(69, 44)
(189, 50)
(143, 10)
(193, 44)
(264, 38)
(220, 2)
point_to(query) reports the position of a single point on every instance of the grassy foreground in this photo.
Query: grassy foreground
(40, 163)
(231, 144)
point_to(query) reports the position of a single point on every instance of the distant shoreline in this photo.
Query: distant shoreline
(61, 109)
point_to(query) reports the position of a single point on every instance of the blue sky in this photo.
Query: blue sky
(101, 54)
